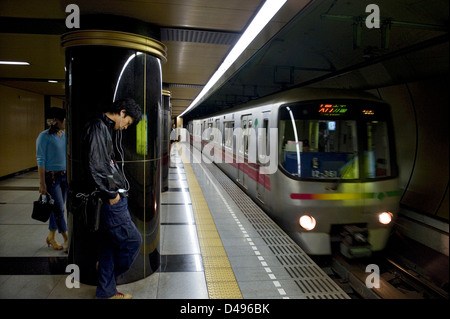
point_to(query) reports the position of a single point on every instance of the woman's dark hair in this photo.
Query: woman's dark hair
(55, 113)
(129, 105)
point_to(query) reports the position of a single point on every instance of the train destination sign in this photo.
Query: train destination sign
(332, 109)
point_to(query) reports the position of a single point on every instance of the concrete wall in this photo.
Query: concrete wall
(421, 120)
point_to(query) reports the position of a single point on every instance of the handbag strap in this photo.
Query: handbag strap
(48, 199)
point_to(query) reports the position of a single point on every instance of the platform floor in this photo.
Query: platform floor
(215, 243)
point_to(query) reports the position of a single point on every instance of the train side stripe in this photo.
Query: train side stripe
(345, 196)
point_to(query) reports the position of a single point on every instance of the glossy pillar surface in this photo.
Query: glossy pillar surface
(97, 76)
(165, 149)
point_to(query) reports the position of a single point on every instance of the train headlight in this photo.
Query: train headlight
(385, 218)
(307, 222)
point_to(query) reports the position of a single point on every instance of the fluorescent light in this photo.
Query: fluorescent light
(14, 63)
(52, 81)
(264, 15)
(123, 70)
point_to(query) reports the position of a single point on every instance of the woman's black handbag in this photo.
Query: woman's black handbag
(42, 208)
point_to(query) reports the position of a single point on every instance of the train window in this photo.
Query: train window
(197, 129)
(204, 127)
(246, 125)
(264, 138)
(207, 130)
(228, 136)
(218, 132)
(376, 150)
(217, 124)
(210, 131)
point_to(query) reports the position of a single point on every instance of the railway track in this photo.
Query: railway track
(381, 278)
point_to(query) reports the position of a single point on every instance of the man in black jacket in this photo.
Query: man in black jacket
(120, 240)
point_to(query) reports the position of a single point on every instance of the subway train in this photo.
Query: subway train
(321, 163)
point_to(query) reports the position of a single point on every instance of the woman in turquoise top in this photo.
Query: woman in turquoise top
(51, 160)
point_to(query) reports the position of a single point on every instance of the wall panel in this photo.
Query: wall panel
(21, 121)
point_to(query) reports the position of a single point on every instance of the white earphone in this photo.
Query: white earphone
(121, 151)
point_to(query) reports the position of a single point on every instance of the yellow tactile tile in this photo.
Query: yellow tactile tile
(219, 275)
(206, 223)
(216, 261)
(207, 233)
(209, 227)
(224, 290)
(213, 250)
(210, 242)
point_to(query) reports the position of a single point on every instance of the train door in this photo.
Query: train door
(246, 125)
(263, 142)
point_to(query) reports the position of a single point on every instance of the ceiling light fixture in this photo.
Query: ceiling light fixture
(264, 15)
(14, 63)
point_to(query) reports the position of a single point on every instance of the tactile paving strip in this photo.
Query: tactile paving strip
(219, 275)
(310, 279)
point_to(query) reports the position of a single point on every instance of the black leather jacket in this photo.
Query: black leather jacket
(101, 165)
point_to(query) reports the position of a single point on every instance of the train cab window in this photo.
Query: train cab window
(322, 140)
(319, 149)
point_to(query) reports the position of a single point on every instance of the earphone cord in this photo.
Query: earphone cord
(121, 153)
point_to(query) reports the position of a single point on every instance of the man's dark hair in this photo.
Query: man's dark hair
(130, 106)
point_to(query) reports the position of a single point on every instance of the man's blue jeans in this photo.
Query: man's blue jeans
(119, 245)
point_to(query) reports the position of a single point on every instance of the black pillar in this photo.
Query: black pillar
(101, 67)
(166, 140)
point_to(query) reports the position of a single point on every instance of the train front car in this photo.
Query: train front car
(338, 179)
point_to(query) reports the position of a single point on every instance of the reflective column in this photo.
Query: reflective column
(166, 140)
(103, 66)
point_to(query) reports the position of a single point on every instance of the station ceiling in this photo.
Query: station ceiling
(322, 43)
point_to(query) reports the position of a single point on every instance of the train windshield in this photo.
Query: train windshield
(348, 141)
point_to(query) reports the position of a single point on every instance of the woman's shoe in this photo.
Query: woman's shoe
(54, 244)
